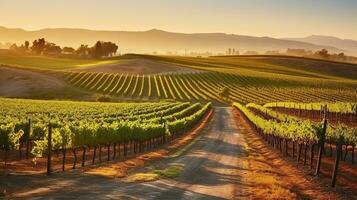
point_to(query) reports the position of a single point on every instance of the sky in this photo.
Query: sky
(274, 18)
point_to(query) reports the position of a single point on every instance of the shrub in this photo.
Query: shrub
(103, 98)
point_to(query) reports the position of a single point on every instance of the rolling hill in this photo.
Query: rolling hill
(158, 40)
(347, 44)
(258, 79)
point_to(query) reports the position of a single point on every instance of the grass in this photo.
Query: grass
(50, 63)
(258, 79)
(168, 172)
(283, 65)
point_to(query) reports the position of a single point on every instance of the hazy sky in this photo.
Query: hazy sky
(276, 18)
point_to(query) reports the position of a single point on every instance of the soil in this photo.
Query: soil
(29, 181)
(137, 66)
(224, 159)
(16, 82)
(274, 176)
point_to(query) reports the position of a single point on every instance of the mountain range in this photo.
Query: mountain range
(350, 46)
(163, 42)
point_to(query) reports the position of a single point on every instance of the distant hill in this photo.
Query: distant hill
(159, 41)
(347, 44)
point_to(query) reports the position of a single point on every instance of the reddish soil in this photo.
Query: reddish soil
(38, 166)
(290, 179)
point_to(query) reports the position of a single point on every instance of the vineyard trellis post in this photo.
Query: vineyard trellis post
(321, 144)
(27, 137)
(49, 147)
(337, 161)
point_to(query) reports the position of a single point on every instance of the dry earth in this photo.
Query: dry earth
(16, 82)
(137, 66)
(226, 161)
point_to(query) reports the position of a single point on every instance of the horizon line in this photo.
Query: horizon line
(156, 29)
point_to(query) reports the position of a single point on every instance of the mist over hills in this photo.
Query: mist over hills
(162, 41)
(347, 44)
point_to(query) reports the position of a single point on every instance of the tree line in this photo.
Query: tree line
(321, 54)
(42, 47)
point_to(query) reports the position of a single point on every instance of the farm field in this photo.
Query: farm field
(178, 100)
(250, 79)
(132, 127)
(50, 63)
(161, 103)
(298, 138)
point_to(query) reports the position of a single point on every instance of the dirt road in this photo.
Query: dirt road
(211, 171)
(226, 161)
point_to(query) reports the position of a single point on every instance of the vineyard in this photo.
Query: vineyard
(212, 100)
(65, 125)
(205, 86)
(306, 114)
(257, 79)
(336, 113)
(301, 138)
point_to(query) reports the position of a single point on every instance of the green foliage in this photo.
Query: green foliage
(295, 128)
(51, 63)
(188, 122)
(224, 93)
(9, 138)
(341, 107)
(83, 124)
(302, 130)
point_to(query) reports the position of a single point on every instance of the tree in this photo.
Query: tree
(97, 50)
(27, 44)
(13, 47)
(19, 49)
(323, 53)
(68, 50)
(51, 49)
(38, 45)
(237, 52)
(108, 49)
(341, 56)
(229, 52)
(103, 49)
(224, 93)
(83, 50)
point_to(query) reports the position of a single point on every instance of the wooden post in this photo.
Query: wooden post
(49, 148)
(321, 147)
(84, 156)
(305, 153)
(353, 154)
(346, 152)
(5, 160)
(312, 155)
(28, 131)
(75, 158)
(63, 159)
(299, 151)
(124, 149)
(115, 150)
(108, 152)
(20, 146)
(100, 153)
(337, 161)
(94, 154)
